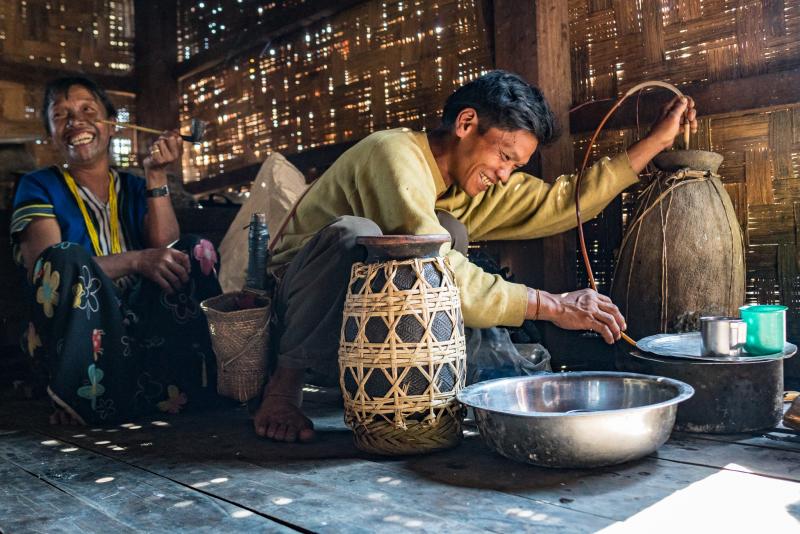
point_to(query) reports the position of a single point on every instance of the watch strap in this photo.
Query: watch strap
(157, 192)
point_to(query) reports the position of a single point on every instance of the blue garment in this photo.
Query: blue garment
(44, 193)
(113, 350)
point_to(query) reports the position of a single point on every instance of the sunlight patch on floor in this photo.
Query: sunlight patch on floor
(724, 501)
(404, 521)
(524, 513)
(241, 513)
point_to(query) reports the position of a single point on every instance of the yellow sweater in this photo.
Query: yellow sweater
(391, 177)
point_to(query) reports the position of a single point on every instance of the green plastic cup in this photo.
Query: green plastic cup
(766, 328)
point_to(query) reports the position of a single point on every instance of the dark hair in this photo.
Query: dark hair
(60, 87)
(503, 100)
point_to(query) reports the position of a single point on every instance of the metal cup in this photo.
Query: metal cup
(722, 336)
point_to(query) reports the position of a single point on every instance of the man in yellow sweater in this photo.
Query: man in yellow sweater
(405, 182)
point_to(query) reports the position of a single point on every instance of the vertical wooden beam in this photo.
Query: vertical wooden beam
(554, 79)
(532, 39)
(515, 37)
(156, 51)
(515, 51)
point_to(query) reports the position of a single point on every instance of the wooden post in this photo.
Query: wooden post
(156, 50)
(532, 39)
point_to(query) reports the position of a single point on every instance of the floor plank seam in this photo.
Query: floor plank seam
(655, 456)
(182, 484)
(557, 505)
(87, 502)
(34, 475)
(760, 446)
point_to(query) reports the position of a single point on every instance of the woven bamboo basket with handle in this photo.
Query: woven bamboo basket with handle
(402, 354)
(240, 338)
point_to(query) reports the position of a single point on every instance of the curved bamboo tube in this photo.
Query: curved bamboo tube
(631, 91)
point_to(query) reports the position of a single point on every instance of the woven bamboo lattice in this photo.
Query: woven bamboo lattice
(91, 36)
(240, 338)
(373, 66)
(402, 356)
(619, 43)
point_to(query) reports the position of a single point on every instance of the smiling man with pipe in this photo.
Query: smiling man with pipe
(114, 291)
(460, 178)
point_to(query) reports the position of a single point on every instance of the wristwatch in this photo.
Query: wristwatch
(157, 192)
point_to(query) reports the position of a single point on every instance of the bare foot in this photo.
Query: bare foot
(61, 417)
(279, 417)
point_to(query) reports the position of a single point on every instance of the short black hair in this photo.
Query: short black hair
(60, 87)
(503, 100)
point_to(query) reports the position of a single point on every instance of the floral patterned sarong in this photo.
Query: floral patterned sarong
(114, 354)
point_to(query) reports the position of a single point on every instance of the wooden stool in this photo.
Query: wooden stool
(402, 355)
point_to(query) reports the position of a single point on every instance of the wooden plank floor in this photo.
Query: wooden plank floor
(210, 473)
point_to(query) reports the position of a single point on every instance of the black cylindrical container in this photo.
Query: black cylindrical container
(258, 254)
(729, 397)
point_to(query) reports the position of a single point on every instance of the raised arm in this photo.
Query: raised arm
(526, 207)
(160, 224)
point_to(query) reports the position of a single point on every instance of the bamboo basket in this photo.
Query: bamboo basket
(402, 356)
(240, 339)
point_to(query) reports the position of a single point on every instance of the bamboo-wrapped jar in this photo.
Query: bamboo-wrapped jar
(402, 355)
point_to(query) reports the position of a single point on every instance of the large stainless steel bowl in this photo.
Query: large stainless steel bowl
(585, 419)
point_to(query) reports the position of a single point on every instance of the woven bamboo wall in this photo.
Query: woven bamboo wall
(694, 41)
(85, 35)
(373, 66)
(204, 24)
(618, 43)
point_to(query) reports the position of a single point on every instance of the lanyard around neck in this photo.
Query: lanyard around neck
(116, 247)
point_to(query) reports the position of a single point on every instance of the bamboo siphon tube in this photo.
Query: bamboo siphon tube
(686, 133)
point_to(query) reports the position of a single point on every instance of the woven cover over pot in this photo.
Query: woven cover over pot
(402, 356)
(683, 254)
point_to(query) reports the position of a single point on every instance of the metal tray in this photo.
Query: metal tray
(688, 347)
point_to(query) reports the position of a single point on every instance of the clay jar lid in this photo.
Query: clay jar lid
(402, 247)
(696, 160)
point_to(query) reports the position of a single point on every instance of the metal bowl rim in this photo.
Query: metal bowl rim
(685, 391)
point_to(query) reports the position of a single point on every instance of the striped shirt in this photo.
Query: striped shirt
(100, 215)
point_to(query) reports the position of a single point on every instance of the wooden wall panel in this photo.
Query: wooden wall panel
(780, 143)
(758, 175)
(652, 32)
